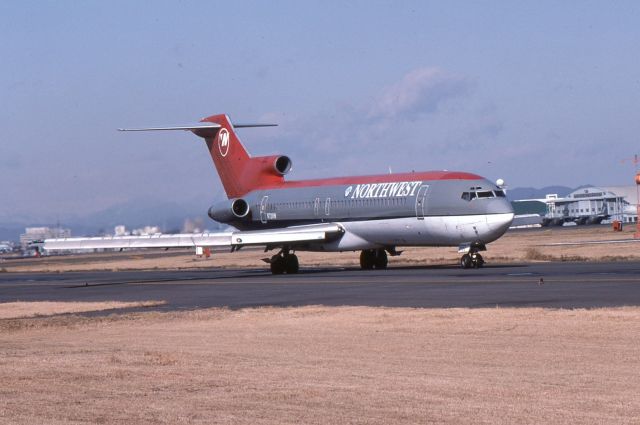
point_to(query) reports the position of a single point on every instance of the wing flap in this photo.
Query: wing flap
(306, 233)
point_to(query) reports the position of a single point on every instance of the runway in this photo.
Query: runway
(566, 285)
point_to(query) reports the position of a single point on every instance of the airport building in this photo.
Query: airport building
(5, 247)
(40, 233)
(593, 205)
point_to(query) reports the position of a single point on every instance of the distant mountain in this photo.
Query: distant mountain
(169, 216)
(533, 193)
(11, 231)
(166, 215)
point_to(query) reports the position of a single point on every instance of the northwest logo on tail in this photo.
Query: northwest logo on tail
(223, 142)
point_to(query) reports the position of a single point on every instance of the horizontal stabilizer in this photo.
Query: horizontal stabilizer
(253, 125)
(203, 129)
(180, 127)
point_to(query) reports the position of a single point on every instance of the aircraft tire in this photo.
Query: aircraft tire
(278, 265)
(478, 261)
(380, 259)
(465, 261)
(367, 259)
(291, 264)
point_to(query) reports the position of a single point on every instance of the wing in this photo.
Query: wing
(272, 237)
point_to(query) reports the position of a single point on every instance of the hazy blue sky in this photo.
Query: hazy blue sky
(536, 93)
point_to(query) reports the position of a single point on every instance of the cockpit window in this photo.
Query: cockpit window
(473, 194)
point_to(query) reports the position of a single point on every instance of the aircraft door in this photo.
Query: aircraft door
(327, 206)
(421, 200)
(263, 209)
(316, 207)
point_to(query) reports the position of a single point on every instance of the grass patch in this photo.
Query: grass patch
(22, 309)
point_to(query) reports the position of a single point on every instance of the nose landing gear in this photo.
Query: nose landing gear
(471, 257)
(471, 260)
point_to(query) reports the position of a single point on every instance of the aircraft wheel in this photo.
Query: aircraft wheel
(291, 264)
(278, 264)
(367, 259)
(465, 261)
(477, 260)
(380, 259)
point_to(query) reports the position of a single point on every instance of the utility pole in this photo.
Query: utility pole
(635, 161)
(637, 234)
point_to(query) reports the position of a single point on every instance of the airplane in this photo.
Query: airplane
(373, 214)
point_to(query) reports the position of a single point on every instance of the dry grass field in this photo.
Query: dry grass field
(322, 365)
(20, 309)
(515, 246)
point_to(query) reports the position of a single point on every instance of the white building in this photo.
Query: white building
(592, 205)
(630, 195)
(40, 233)
(146, 231)
(120, 230)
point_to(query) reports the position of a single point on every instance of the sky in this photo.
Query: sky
(536, 93)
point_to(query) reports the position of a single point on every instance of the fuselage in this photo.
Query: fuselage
(438, 208)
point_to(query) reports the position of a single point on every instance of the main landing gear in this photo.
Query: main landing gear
(373, 258)
(471, 260)
(284, 262)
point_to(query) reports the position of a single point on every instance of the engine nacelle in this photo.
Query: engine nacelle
(282, 164)
(228, 211)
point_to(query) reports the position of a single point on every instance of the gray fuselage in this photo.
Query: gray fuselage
(385, 213)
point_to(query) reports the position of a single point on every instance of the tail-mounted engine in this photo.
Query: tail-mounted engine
(282, 164)
(229, 211)
(274, 166)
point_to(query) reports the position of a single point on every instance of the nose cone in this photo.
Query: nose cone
(503, 206)
(499, 217)
(500, 206)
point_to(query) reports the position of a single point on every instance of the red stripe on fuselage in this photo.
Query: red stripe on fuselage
(378, 178)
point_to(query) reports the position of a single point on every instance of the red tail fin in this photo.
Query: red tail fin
(238, 171)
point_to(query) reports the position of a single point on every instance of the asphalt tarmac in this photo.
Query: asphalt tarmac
(565, 285)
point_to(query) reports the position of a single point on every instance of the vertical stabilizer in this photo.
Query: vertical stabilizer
(238, 171)
(228, 154)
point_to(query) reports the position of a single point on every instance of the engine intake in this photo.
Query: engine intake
(282, 165)
(240, 208)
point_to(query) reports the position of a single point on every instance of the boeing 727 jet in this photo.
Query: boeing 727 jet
(374, 214)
